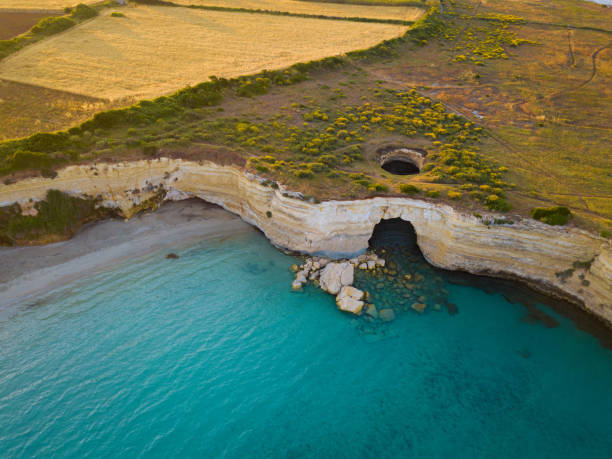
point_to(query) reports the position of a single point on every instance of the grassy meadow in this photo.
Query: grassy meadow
(512, 107)
(116, 55)
(404, 13)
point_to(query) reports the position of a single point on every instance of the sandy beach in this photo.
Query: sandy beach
(29, 271)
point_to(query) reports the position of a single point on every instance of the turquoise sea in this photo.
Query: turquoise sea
(212, 355)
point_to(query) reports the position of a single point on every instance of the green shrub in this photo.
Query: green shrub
(52, 25)
(58, 214)
(407, 188)
(303, 173)
(82, 12)
(30, 160)
(149, 150)
(432, 193)
(606, 234)
(117, 14)
(378, 187)
(557, 215)
(494, 202)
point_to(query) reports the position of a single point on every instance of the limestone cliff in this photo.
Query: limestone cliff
(564, 261)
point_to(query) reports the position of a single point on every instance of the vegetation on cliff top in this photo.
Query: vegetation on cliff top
(57, 216)
(492, 139)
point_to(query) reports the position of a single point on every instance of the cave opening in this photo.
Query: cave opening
(394, 233)
(401, 166)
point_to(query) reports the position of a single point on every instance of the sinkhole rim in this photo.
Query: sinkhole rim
(401, 160)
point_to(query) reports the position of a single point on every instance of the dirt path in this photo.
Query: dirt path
(570, 59)
(588, 80)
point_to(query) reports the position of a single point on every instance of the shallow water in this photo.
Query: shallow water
(212, 355)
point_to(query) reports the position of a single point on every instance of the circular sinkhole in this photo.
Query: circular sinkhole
(401, 160)
(401, 167)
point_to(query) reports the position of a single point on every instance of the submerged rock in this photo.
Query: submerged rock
(336, 275)
(419, 307)
(172, 256)
(296, 285)
(387, 315)
(350, 300)
(371, 311)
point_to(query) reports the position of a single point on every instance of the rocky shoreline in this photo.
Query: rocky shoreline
(337, 277)
(566, 262)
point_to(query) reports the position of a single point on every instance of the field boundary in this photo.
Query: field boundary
(51, 25)
(422, 4)
(72, 93)
(33, 11)
(228, 9)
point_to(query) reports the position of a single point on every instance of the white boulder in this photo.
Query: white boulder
(335, 276)
(350, 300)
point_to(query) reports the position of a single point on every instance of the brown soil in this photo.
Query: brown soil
(13, 24)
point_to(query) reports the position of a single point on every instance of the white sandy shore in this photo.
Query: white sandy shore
(28, 271)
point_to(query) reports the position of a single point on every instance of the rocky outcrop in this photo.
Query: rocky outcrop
(568, 262)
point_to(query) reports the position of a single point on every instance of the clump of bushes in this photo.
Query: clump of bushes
(557, 215)
(495, 202)
(117, 14)
(58, 215)
(407, 188)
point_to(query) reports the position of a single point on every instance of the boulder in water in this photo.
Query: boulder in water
(371, 311)
(386, 315)
(335, 276)
(172, 256)
(419, 307)
(350, 300)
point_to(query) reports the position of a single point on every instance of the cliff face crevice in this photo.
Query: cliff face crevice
(567, 262)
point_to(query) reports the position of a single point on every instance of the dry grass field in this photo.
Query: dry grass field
(26, 109)
(404, 13)
(39, 5)
(157, 50)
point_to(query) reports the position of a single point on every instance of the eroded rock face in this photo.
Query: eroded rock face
(335, 276)
(528, 249)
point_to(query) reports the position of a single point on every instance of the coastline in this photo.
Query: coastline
(31, 270)
(560, 261)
